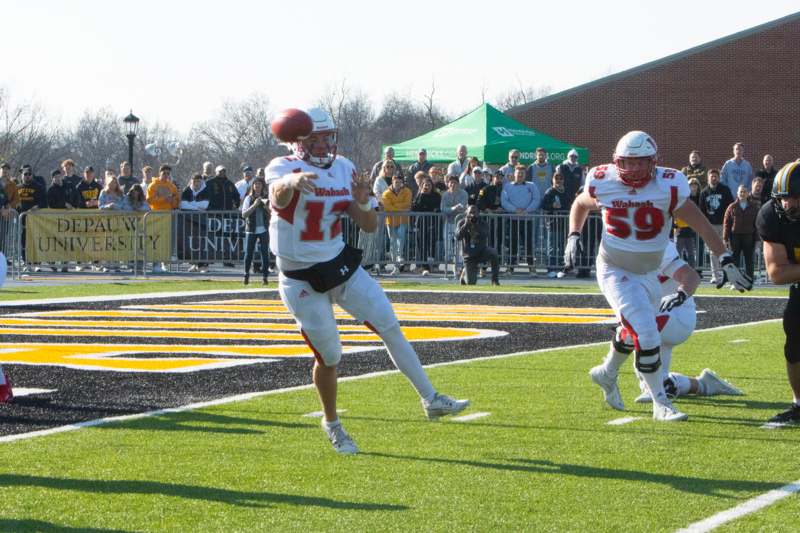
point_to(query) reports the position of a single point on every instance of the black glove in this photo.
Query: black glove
(572, 250)
(671, 301)
(731, 273)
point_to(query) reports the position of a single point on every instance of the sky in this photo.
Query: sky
(177, 61)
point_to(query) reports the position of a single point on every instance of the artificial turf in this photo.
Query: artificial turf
(544, 460)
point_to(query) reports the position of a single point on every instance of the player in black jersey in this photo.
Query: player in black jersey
(778, 224)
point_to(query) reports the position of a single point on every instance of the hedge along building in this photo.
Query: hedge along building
(744, 87)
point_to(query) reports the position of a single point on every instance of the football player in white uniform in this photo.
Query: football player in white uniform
(638, 200)
(676, 324)
(309, 193)
(6, 395)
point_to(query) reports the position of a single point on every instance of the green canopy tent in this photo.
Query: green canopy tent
(488, 135)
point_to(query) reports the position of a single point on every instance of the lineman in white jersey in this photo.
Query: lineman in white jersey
(638, 200)
(676, 323)
(309, 193)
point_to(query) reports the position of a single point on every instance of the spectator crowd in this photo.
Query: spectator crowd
(522, 209)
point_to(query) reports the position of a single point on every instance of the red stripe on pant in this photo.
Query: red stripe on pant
(317, 355)
(631, 332)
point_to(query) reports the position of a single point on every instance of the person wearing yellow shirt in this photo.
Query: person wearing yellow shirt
(397, 198)
(162, 195)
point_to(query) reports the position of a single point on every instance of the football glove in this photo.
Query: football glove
(572, 250)
(731, 274)
(671, 301)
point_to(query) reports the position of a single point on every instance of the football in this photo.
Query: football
(292, 124)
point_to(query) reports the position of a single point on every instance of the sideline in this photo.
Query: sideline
(745, 508)
(259, 394)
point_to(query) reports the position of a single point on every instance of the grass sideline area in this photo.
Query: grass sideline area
(545, 458)
(98, 288)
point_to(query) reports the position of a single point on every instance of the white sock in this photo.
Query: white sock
(332, 424)
(406, 360)
(614, 360)
(654, 380)
(684, 384)
(666, 358)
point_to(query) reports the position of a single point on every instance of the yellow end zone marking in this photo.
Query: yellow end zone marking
(272, 306)
(413, 333)
(120, 357)
(420, 314)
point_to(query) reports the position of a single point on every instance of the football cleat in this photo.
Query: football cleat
(6, 394)
(443, 405)
(609, 386)
(666, 412)
(715, 385)
(644, 397)
(341, 441)
(790, 417)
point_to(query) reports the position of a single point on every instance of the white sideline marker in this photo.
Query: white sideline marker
(319, 414)
(623, 420)
(469, 417)
(739, 341)
(22, 391)
(747, 507)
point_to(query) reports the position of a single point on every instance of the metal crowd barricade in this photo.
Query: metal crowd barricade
(9, 242)
(199, 239)
(85, 240)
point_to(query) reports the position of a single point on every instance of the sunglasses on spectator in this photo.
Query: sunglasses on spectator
(27, 174)
(514, 157)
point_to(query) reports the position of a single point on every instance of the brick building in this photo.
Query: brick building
(744, 87)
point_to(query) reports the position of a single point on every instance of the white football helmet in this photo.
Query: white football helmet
(319, 148)
(635, 157)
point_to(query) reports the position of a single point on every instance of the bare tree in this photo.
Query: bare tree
(520, 95)
(26, 136)
(240, 132)
(433, 113)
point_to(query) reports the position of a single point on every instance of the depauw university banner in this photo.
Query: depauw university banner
(96, 235)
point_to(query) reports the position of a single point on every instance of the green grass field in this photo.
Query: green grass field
(544, 460)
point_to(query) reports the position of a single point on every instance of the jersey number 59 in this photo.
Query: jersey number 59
(647, 222)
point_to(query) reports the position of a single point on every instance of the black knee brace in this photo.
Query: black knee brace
(648, 361)
(791, 327)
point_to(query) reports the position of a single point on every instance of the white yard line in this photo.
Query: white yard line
(471, 416)
(251, 395)
(739, 341)
(624, 420)
(22, 391)
(745, 508)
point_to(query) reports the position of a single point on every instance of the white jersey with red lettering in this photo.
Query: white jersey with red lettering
(309, 229)
(636, 222)
(677, 325)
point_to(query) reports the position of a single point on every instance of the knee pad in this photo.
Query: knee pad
(622, 341)
(648, 360)
(327, 348)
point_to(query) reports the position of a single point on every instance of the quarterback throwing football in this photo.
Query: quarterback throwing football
(309, 193)
(638, 201)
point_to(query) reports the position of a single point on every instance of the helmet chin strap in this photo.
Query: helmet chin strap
(318, 161)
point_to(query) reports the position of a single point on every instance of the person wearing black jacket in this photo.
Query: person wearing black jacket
(428, 200)
(88, 190)
(474, 234)
(31, 194)
(70, 177)
(556, 201)
(60, 195)
(714, 200)
(222, 193)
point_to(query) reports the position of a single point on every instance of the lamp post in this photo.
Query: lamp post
(131, 125)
